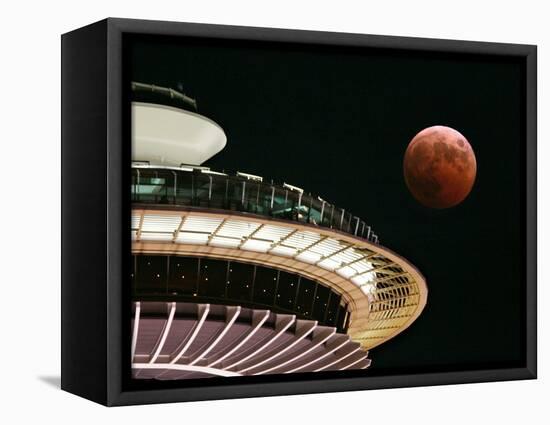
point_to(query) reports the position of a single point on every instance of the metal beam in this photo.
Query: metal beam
(332, 349)
(205, 309)
(182, 367)
(247, 238)
(246, 338)
(301, 332)
(213, 344)
(311, 245)
(317, 341)
(177, 231)
(280, 241)
(136, 329)
(284, 325)
(164, 335)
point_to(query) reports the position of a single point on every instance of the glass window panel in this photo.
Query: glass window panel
(293, 202)
(286, 290)
(239, 281)
(314, 206)
(235, 194)
(151, 274)
(212, 278)
(327, 212)
(264, 285)
(304, 298)
(182, 276)
(150, 186)
(135, 184)
(184, 188)
(282, 208)
(219, 192)
(252, 197)
(320, 303)
(167, 192)
(202, 189)
(333, 304)
(266, 193)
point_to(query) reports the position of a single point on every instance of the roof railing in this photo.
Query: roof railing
(241, 192)
(168, 93)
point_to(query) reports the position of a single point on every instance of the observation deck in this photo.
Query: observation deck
(200, 187)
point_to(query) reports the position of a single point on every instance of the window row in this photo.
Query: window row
(210, 280)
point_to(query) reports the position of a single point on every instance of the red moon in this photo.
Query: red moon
(439, 167)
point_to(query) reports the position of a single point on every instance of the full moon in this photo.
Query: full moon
(439, 167)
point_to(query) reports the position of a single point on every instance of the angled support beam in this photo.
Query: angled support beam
(215, 232)
(164, 335)
(282, 240)
(186, 368)
(351, 350)
(140, 226)
(177, 231)
(336, 345)
(318, 340)
(366, 257)
(303, 329)
(281, 327)
(235, 313)
(203, 313)
(317, 242)
(353, 362)
(334, 253)
(374, 270)
(259, 323)
(246, 238)
(136, 329)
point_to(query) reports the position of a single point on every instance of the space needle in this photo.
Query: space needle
(234, 274)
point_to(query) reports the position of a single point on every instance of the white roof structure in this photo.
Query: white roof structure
(165, 135)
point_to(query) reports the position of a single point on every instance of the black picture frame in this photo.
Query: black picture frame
(95, 161)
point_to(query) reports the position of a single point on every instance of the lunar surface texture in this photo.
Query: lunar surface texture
(439, 167)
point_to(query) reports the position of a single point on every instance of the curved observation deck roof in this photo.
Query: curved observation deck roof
(184, 340)
(383, 291)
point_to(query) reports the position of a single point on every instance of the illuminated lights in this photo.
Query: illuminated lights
(351, 265)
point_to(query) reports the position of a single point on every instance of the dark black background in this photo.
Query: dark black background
(336, 121)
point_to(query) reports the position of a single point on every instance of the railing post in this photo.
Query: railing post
(356, 226)
(192, 189)
(175, 200)
(138, 186)
(257, 197)
(226, 201)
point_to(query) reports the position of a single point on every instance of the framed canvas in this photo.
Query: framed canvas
(252, 212)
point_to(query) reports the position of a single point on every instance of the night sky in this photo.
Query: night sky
(336, 122)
